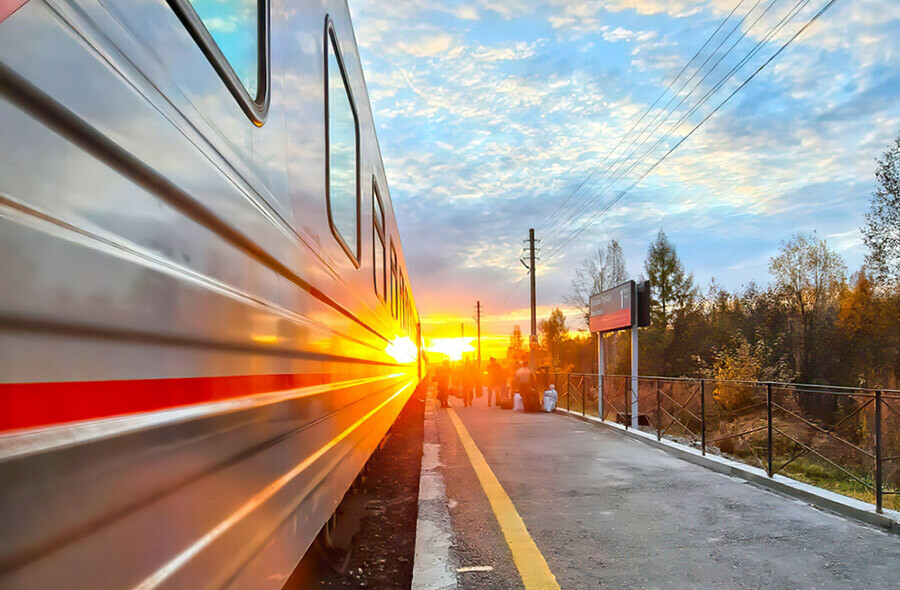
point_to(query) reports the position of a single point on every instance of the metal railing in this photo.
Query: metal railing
(839, 438)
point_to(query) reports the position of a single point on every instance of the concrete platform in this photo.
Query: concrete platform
(607, 510)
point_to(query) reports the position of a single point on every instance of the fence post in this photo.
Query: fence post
(878, 458)
(626, 403)
(702, 417)
(769, 429)
(658, 425)
(600, 392)
(567, 392)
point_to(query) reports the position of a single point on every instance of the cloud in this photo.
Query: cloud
(674, 8)
(620, 34)
(426, 46)
(518, 50)
(490, 113)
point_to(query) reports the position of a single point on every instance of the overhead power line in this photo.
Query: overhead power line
(638, 122)
(618, 197)
(752, 53)
(623, 158)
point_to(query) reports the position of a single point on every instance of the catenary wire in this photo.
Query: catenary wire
(638, 122)
(777, 28)
(612, 179)
(587, 224)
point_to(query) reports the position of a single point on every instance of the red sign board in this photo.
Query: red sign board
(613, 309)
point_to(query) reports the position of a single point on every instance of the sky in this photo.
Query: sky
(495, 116)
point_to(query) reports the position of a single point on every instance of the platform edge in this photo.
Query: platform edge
(815, 496)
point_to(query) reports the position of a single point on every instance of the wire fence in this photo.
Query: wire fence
(842, 439)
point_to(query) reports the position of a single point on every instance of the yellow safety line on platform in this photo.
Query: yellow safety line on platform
(535, 572)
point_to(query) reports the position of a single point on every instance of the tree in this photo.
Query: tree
(666, 345)
(809, 277)
(614, 272)
(601, 270)
(743, 362)
(516, 350)
(866, 320)
(587, 281)
(554, 332)
(881, 233)
(671, 288)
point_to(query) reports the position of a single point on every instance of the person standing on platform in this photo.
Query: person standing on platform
(468, 382)
(496, 381)
(443, 384)
(523, 381)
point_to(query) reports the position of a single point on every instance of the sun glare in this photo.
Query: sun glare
(452, 348)
(402, 350)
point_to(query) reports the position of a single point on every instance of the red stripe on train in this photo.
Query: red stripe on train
(7, 7)
(27, 405)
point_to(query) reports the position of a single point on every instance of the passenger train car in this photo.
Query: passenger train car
(206, 322)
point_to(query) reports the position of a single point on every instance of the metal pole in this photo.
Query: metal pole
(769, 428)
(533, 301)
(702, 417)
(658, 425)
(600, 374)
(878, 458)
(478, 320)
(602, 409)
(634, 374)
(567, 392)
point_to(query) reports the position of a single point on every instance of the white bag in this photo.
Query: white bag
(550, 399)
(518, 406)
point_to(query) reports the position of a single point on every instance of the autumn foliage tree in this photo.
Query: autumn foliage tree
(516, 351)
(553, 333)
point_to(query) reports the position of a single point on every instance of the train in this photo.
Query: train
(206, 319)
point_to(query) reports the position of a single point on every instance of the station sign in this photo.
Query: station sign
(613, 309)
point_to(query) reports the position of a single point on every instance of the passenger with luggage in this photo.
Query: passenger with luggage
(525, 386)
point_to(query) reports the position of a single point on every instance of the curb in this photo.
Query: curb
(821, 498)
(433, 565)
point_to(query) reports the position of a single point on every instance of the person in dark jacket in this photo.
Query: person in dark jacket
(496, 381)
(443, 384)
(469, 378)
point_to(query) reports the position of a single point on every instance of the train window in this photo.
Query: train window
(378, 250)
(402, 302)
(342, 141)
(234, 36)
(394, 294)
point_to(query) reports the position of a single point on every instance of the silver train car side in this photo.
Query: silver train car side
(206, 324)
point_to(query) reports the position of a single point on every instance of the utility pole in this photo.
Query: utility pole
(478, 322)
(530, 265)
(531, 268)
